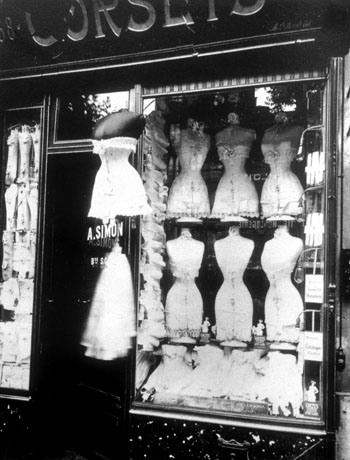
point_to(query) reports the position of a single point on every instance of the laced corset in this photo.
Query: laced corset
(233, 146)
(192, 151)
(233, 159)
(233, 303)
(283, 302)
(185, 256)
(118, 188)
(184, 304)
(114, 157)
(279, 155)
(282, 189)
(235, 194)
(280, 256)
(184, 273)
(233, 267)
(188, 195)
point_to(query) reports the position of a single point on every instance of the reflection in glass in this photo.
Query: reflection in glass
(78, 113)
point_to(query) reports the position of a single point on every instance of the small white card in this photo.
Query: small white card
(313, 346)
(314, 288)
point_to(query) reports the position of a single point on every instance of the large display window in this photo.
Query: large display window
(19, 228)
(231, 316)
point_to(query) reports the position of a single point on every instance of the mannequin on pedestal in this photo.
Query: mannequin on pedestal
(236, 194)
(188, 195)
(184, 304)
(283, 303)
(118, 190)
(233, 303)
(282, 189)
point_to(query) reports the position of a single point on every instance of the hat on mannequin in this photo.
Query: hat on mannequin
(119, 124)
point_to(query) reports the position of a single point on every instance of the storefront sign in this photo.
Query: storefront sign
(104, 235)
(142, 8)
(41, 32)
(313, 346)
(314, 288)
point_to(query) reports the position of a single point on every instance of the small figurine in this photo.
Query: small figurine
(258, 330)
(312, 391)
(205, 326)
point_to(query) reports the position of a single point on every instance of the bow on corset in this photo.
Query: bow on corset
(273, 154)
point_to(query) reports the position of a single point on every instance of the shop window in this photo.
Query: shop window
(20, 195)
(232, 259)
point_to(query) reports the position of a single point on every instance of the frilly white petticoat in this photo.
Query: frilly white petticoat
(110, 324)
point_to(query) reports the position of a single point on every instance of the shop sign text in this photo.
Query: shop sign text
(100, 16)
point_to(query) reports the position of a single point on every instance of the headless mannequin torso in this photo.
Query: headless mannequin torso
(235, 194)
(282, 189)
(283, 302)
(188, 195)
(184, 304)
(233, 304)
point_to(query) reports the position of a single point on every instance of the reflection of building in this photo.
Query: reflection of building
(174, 396)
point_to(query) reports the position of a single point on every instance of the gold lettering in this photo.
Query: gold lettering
(100, 7)
(177, 20)
(141, 27)
(242, 10)
(212, 15)
(82, 33)
(42, 41)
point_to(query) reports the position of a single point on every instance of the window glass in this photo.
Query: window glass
(78, 113)
(20, 194)
(232, 257)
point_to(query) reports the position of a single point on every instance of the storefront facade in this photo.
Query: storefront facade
(240, 313)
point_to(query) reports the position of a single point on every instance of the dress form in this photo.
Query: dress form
(188, 195)
(184, 304)
(283, 303)
(233, 303)
(118, 188)
(236, 194)
(282, 189)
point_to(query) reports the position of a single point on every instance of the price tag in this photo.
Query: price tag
(312, 409)
(314, 288)
(313, 346)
